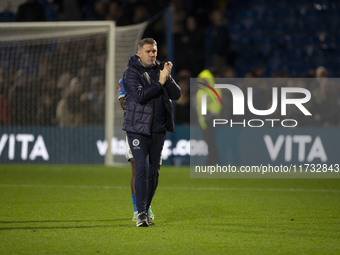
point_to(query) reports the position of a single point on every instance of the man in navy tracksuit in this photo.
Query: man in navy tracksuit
(147, 116)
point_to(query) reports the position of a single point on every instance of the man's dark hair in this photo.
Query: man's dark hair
(146, 41)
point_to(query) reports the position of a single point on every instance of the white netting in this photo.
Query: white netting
(55, 75)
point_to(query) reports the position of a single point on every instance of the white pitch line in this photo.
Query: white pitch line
(60, 186)
(259, 189)
(168, 188)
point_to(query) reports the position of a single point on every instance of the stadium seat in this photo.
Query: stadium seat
(299, 31)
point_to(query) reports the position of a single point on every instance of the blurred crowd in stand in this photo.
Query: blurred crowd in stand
(251, 38)
(64, 91)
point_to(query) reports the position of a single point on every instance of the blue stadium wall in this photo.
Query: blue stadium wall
(86, 145)
(78, 145)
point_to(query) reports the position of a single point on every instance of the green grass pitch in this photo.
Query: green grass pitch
(87, 210)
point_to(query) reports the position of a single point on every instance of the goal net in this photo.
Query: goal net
(63, 75)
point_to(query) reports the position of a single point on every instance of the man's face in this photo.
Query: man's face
(148, 54)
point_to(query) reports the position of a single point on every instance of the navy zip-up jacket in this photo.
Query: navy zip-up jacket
(147, 103)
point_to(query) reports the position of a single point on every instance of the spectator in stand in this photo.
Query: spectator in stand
(321, 72)
(47, 102)
(217, 42)
(31, 10)
(84, 78)
(4, 100)
(46, 110)
(44, 69)
(227, 72)
(18, 99)
(70, 108)
(4, 107)
(128, 8)
(187, 44)
(69, 9)
(326, 110)
(208, 131)
(178, 16)
(97, 57)
(140, 14)
(100, 9)
(61, 65)
(22, 100)
(114, 12)
(94, 102)
(182, 107)
(158, 29)
(63, 84)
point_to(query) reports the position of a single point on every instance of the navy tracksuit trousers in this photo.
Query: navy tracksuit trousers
(146, 151)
